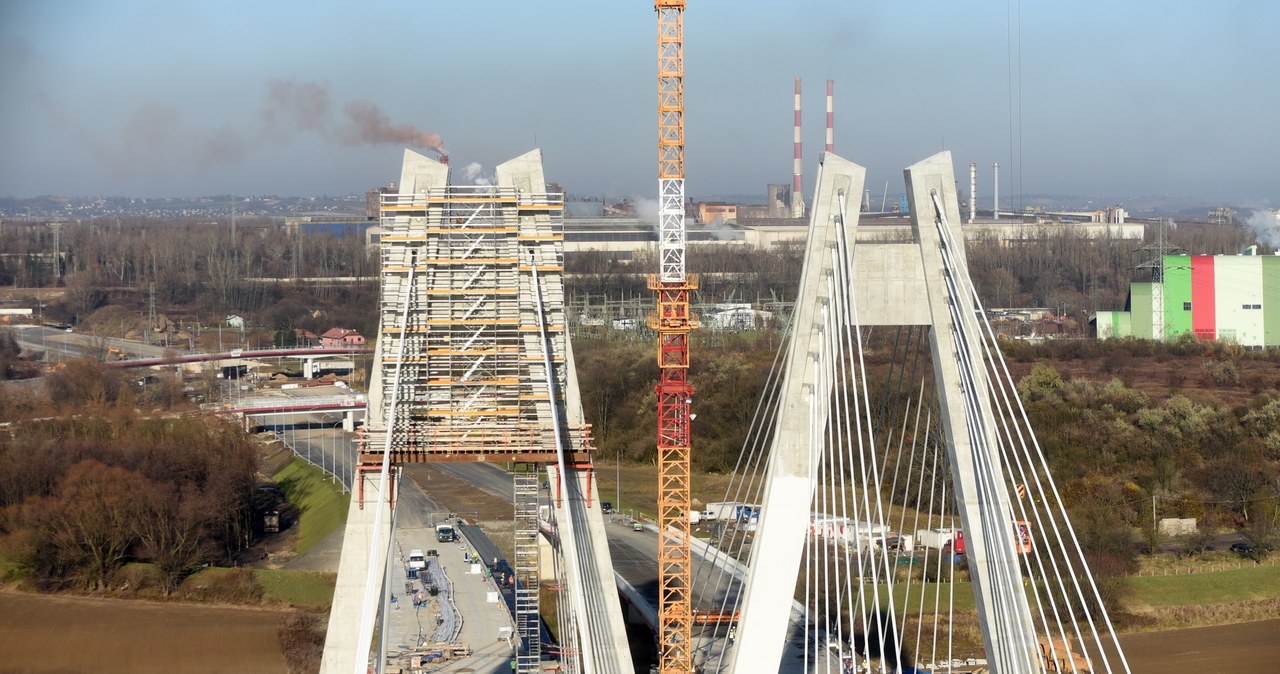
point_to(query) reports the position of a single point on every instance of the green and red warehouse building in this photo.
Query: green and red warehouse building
(1213, 297)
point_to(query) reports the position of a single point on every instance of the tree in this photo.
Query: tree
(170, 528)
(95, 518)
(1234, 482)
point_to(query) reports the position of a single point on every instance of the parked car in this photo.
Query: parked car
(1245, 547)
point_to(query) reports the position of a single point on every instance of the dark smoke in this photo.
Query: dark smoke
(304, 106)
(296, 105)
(372, 125)
(155, 137)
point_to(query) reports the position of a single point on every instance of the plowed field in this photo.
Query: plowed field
(43, 634)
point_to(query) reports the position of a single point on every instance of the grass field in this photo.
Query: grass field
(303, 589)
(1257, 582)
(322, 504)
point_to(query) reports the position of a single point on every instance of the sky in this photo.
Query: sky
(160, 98)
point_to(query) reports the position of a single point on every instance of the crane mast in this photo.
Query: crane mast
(672, 321)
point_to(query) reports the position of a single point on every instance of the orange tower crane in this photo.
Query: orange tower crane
(672, 321)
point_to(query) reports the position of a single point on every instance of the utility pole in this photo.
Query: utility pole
(235, 253)
(57, 250)
(151, 313)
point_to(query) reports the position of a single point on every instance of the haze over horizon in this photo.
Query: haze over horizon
(151, 99)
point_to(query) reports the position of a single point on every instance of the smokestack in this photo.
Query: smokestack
(831, 134)
(797, 178)
(995, 194)
(973, 191)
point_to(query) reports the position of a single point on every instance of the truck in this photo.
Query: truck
(1022, 542)
(723, 511)
(417, 560)
(747, 513)
(444, 533)
(935, 539)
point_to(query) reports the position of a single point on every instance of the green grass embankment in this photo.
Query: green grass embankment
(279, 587)
(1217, 587)
(304, 589)
(320, 502)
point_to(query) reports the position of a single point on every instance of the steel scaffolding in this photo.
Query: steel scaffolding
(473, 383)
(527, 569)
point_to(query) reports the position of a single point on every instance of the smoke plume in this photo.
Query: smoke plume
(1265, 223)
(477, 175)
(291, 107)
(371, 125)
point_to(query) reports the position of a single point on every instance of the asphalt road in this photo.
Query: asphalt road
(485, 476)
(59, 345)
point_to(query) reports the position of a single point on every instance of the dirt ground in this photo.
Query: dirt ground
(1248, 648)
(44, 634)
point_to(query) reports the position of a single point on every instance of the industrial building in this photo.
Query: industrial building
(1213, 297)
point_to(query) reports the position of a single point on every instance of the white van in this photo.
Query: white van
(417, 560)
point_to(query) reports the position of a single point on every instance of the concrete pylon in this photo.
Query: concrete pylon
(788, 490)
(891, 284)
(986, 511)
(342, 655)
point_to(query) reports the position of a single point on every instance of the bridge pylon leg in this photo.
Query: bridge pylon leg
(341, 653)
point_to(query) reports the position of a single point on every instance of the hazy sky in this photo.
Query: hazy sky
(163, 98)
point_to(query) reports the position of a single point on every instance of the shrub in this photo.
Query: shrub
(1222, 372)
(230, 586)
(301, 638)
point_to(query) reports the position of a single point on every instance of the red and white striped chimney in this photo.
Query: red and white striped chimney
(831, 134)
(797, 177)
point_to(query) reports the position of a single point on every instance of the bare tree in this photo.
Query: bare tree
(96, 517)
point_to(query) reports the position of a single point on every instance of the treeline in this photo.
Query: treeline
(1061, 269)
(724, 273)
(196, 267)
(1201, 437)
(1077, 274)
(617, 376)
(82, 496)
(88, 385)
